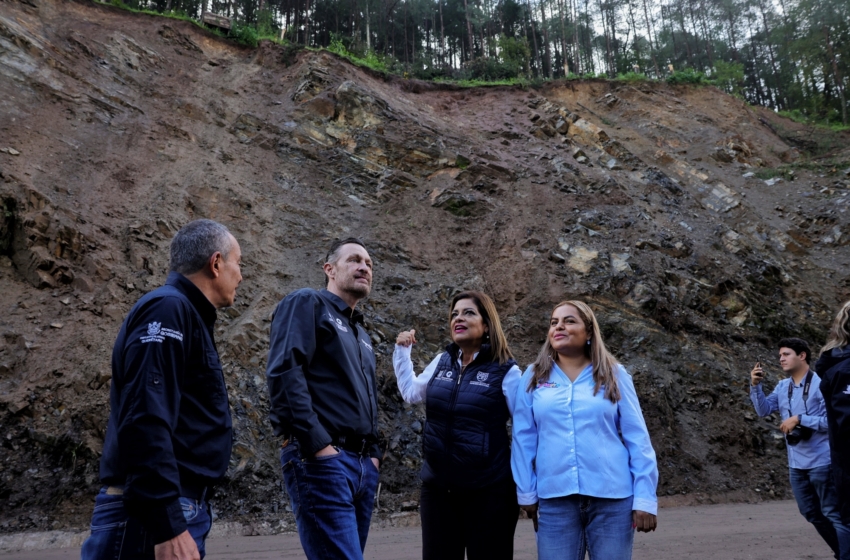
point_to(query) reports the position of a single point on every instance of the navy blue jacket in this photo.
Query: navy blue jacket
(833, 367)
(169, 423)
(466, 440)
(321, 372)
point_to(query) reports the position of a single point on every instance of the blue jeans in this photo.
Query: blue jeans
(817, 500)
(332, 498)
(572, 525)
(117, 536)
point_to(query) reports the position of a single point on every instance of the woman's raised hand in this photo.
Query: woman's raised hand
(406, 338)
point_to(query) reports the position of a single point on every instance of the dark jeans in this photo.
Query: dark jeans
(117, 536)
(570, 526)
(814, 490)
(479, 522)
(332, 498)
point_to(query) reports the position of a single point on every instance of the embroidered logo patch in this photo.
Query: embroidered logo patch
(444, 375)
(482, 376)
(547, 385)
(157, 334)
(337, 323)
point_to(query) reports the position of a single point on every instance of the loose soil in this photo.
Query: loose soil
(659, 205)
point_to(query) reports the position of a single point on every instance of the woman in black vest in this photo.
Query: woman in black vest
(468, 502)
(833, 367)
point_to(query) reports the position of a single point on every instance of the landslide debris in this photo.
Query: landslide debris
(699, 235)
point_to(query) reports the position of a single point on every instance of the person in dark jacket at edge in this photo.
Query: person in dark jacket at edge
(833, 366)
(169, 434)
(324, 407)
(468, 501)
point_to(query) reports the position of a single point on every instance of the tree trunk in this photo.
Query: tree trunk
(470, 55)
(707, 34)
(442, 35)
(368, 31)
(576, 45)
(564, 53)
(685, 34)
(307, 22)
(839, 85)
(649, 36)
(533, 34)
(547, 60)
(608, 59)
(779, 94)
(404, 25)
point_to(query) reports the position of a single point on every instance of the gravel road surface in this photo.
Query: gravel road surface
(765, 531)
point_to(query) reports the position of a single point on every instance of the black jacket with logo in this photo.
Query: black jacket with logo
(466, 439)
(169, 423)
(321, 372)
(833, 367)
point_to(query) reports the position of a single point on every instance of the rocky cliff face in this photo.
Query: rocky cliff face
(116, 129)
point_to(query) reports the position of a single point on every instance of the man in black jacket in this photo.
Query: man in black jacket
(321, 377)
(169, 433)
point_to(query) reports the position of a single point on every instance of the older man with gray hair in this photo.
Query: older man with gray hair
(170, 434)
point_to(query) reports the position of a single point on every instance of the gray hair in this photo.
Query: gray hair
(195, 243)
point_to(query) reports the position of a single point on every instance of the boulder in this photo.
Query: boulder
(581, 259)
(356, 107)
(588, 132)
(561, 126)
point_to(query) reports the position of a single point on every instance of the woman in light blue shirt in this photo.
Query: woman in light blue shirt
(581, 457)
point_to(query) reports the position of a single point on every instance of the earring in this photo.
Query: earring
(588, 342)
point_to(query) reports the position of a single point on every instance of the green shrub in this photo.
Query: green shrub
(632, 77)
(728, 76)
(686, 76)
(245, 34)
(266, 26)
(369, 59)
(490, 69)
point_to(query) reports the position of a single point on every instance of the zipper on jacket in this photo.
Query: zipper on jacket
(356, 332)
(453, 401)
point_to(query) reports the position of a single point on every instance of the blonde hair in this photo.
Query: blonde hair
(498, 343)
(604, 363)
(839, 335)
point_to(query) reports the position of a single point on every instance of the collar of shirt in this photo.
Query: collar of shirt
(455, 351)
(340, 305)
(460, 357)
(802, 380)
(195, 295)
(587, 371)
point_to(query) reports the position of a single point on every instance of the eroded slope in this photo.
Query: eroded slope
(118, 128)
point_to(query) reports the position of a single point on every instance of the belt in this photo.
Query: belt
(353, 443)
(197, 493)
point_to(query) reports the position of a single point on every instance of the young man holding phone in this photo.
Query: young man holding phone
(800, 404)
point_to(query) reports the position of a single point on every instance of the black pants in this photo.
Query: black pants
(479, 522)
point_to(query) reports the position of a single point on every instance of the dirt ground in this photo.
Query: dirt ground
(697, 227)
(767, 531)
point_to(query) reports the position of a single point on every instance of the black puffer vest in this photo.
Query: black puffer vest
(466, 440)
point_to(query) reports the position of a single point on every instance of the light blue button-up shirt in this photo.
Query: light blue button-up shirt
(573, 438)
(807, 454)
